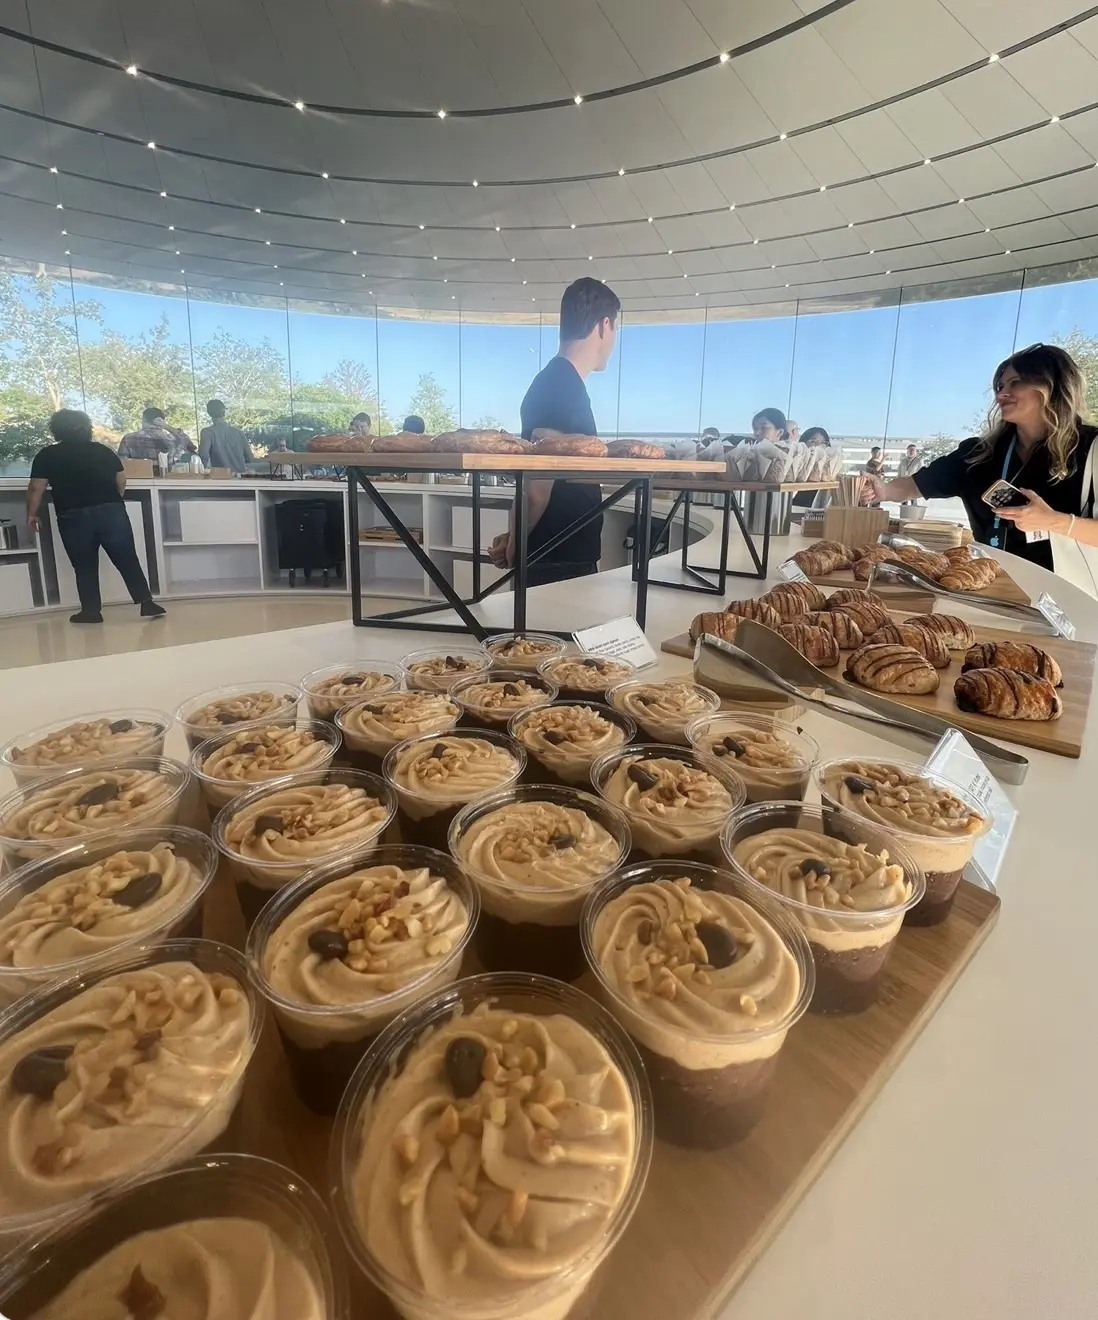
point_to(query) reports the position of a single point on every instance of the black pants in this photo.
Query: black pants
(550, 570)
(83, 532)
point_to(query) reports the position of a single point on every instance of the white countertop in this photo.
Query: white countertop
(970, 1188)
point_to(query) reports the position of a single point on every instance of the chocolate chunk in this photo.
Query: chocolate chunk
(719, 749)
(562, 841)
(96, 796)
(247, 748)
(592, 664)
(646, 932)
(644, 778)
(510, 689)
(857, 784)
(139, 890)
(438, 751)
(375, 710)
(812, 865)
(736, 748)
(41, 1072)
(120, 726)
(268, 821)
(142, 1298)
(148, 1041)
(554, 737)
(720, 944)
(799, 729)
(464, 1061)
(452, 663)
(352, 680)
(224, 717)
(402, 890)
(329, 944)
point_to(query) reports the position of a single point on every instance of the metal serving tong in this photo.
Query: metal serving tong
(896, 571)
(760, 663)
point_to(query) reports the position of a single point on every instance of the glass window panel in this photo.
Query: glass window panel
(748, 366)
(602, 386)
(1060, 308)
(498, 362)
(418, 369)
(333, 353)
(661, 376)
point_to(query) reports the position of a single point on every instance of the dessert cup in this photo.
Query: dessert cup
(528, 1244)
(662, 710)
(88, 904)
(772, 758)
(523, 650)
(233, 763)
(82, 806)
(846, 882)
(489, 700)
(535, 853)
(225, 708)
(332, 687)
(279, 830)
(262, 1232)
(933, 819)
(674, 801)
(563, 740)
(371, 729)
(436, 776)
(81, 741)
(585, 677)
(733, 975)
(129, 1068)
(344, 950)
(438, 668)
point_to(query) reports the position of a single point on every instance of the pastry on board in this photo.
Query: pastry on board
(1014, 655)
(885, 667)
(954, 632)
(793, 598)
(478, 442)
(556, 443)
(928, 644)
(1007, 694)
(814, 644)
(760, 610)
(843, 627)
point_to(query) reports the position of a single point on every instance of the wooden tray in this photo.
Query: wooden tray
(550, 464)
(1003, 588)
(1064, 736)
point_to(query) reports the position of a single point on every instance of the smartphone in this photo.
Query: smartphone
(1002, 495)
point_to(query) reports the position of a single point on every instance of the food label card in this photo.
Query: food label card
(955, 758)
(620, 639)
(791, 572)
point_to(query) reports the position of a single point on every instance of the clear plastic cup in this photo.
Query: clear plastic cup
(79, 806)
(221, 782)
(542, 1270)
(773, 759)
(39, 904)
(663, 709)
(425, 811)
(564, 739)
(710, 1055)
(332, 687)
(427, 670)
(327, 1023)
(101, 738)
(586, 677)
(206, 1198)
(532, 905)
(851, 945)
(370, 729)
(665, 824)
(523, 650)
(170, 1093)
(489, 700)
(244, 703)
(942, 846)
(272, 836)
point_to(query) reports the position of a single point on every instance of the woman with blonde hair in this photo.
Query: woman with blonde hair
(1037, 438)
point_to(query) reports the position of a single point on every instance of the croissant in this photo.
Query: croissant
(925, 561)
(1007, 694)
(717, 624)
(859, 595)
(866, 615)
(842, 553)
(888, 668)
(843, 627)
(815, 563)
(910, 634)
(863, 567)
(813, 643)
(793, 598)
(759, 610)
(1014, 655)
(871, 550)
(954, 632)
(973, 576)
(959, 554)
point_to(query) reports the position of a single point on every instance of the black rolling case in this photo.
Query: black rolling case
(309, 534)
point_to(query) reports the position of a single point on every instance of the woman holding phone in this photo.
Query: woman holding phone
(1036, 440)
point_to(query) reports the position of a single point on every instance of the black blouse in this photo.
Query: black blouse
(952, 474)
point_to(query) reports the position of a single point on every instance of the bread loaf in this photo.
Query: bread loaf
(340, 444)
(888, 668)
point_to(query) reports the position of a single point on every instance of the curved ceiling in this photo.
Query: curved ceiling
(480, 154)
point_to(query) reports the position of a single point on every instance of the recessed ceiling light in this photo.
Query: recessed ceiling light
(571, 226)
(620, 172)
(987, 231)
(67, 253)
(888, 272)
(578, 99)
(1007, 253)
(670, 252)
(773, 267)
(258, 211)
(1055, 119)
(324, 174)
(354, 252)
(590, 258)
(171, 227)
(268, 241)
(453, 297)
(782, 137)
(281, 285)
(732, 207)
(960, 201)
(178, 253)
(163, 194)
(64, 233)
(182, 271)
(497, 229)
(823, 187)
(476, 184)
(274, 267)
(60, 207)
(927, 161)
(53, 169)
(651, 219)
(992, 58)
(850, 224)
(442, 114)
(524, 281)
(423, 226)
(131, 69)
(723, 57)
(755, 242)
(434, 258)
(299, 105)
(445, 280)
(697, 295)
(151, 146)
(512, 261)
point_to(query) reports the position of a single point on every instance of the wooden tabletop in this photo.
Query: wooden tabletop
(550, 464)
(717, 485)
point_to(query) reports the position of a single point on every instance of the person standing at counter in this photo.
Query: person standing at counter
(361, 425)
(87, 481)
(910, 462)
(1036, 438)
(557, 400)
(414, 424)
(222, 445)
(154, 438)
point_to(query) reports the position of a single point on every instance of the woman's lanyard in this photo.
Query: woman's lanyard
(993, 539)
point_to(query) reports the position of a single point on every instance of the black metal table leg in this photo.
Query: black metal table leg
(764, 566)
(645, 539)
(521, 533)
(476, 534)
(353, 548)
(722, 575)
(686, 503)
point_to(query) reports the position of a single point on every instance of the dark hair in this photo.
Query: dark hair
(152, 415)
(69, 424)
(876, 449)
(216, 409)
(586, 304)
(806, 436)
(414, 424)
(361, 417)
(774, 416)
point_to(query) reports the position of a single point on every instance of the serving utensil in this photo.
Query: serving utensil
(895, 571)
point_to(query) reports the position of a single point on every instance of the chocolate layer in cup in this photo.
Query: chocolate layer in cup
(535, 853)
(227, 707)
(373, 728)
(662, 710)
(434, 669)
(283, 828)
(233, 763)
(707, 977)
(334, 686)
(523, 650)
(84, 741)
(435, 777)
(935, 820)
(585, 677)
(540, 1103)
(351, 945)
(565, 739)
(846, 882)
(488, 701)
(81, 806)
(115, 1072)
(675, 802)
(88, 903)
(773, 759)
(243, 1235)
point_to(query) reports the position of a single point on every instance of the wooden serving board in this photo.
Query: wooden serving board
(1064, 736)
(1003, 588)
(552, 464)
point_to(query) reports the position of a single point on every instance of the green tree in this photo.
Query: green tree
(250, 379)
(487, 423)
(431, 402)
(1084, 349)
(125, 376)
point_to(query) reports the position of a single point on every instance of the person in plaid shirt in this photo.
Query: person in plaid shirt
(155, 437)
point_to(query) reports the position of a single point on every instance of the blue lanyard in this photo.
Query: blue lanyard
(993, 541)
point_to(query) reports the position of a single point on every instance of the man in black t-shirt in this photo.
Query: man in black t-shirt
(557, 400)
(87, 481)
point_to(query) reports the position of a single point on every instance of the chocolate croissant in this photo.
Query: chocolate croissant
(954, 632)
(1007, 694)
(717, 624)
(842, 553)
(813, 643)
(793, 598)
(814, 563)
(910, 634)
(888, 668)
(843, 627)
(1014, 655)
(759, 610)
(857, 595)
(864, 566)
(973, 576)
(866, 615)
